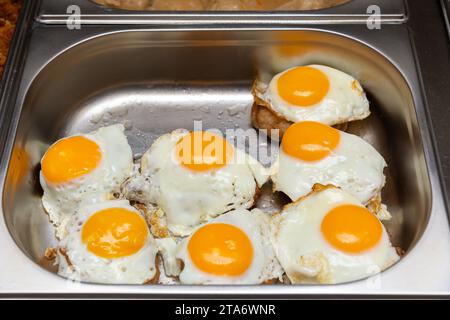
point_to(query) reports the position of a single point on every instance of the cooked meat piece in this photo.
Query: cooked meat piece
(218, 5)
(9, 9)
(265, 118)
(234, 5)
(9, 12)
(127, 4)
(309, 4)
(178, 5)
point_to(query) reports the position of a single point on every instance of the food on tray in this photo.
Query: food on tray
(127, 4)
(220, 5)
(169, 5)
(108, 242)
(198, 186)
(308, 93)
(9, 12)
(308, 4)
(234, 248)
(83, 168)
(242, 5)
(195, 176)
(187, 210)
(312, 152)
(329, 237)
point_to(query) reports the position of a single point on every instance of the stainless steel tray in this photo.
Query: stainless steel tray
(446, 11)
(356, 11)
(70, 78)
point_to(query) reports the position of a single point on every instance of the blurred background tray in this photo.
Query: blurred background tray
(352, 11)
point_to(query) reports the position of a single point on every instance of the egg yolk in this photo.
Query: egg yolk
(70, 158)
(114, 233)
(221, 249)
(303, 86)
(310, 141)
(202, 151)
(351, 229)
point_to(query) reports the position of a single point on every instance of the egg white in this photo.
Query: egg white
(189, 198)
(77, 263)
(305, 254)
(264, 267)
(354, 165)
(61, 200)
(344, 102)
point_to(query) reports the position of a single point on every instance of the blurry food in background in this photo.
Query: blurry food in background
(127, 4)
(187, 5)
(220, 5)
(9, 12)
(309, 4)
(227, 5)
(9, 9)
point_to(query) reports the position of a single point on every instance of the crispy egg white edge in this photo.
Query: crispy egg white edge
(158, 160)
(341, 104)
(322, 263)
(61, 201)
(86, 266)
(365, 182)
(265, 265)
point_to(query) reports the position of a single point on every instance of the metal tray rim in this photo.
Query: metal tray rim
(356, 11)
(61, 286)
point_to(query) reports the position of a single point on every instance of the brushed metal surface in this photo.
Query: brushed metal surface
(77, 81)
(446, 11)
(356, 11)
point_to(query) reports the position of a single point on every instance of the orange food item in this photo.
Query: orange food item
(303, 86)
(310, 141)
(114, 233)
(203, 151)
(351, 229)
(9, 12)
(221, 249)
(70, 158)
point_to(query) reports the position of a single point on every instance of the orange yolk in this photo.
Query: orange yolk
(114, 233)
(303, 86)
(221, 249)
(202, 151)
(351, 229)
(310, 141)
(70, 158)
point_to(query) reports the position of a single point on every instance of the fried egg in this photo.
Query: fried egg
(195, 176)
(314, 93)
(329, 237)
(108, 242)
(83, 168)
(312, 153)
(234, 248)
